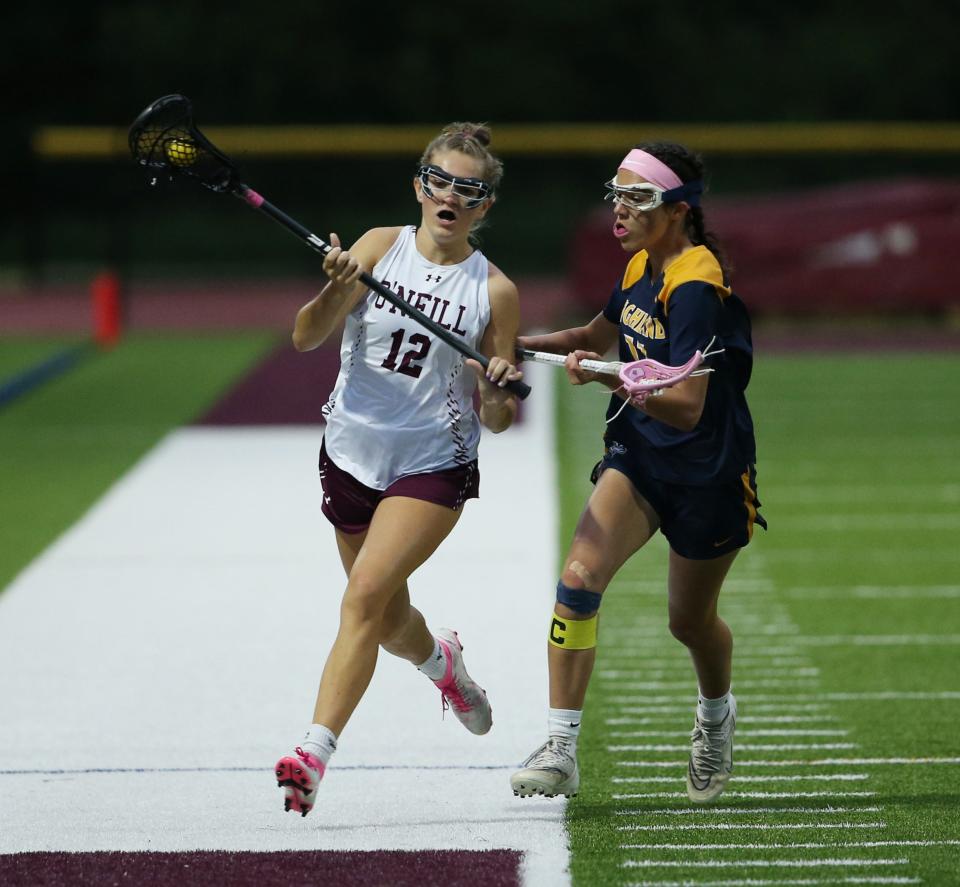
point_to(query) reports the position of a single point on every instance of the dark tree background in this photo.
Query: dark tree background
(292, 61)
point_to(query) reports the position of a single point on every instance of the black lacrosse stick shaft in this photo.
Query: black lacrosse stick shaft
(165, 138)
(257, 201)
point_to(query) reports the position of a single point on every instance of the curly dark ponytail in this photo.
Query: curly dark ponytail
(690, 167)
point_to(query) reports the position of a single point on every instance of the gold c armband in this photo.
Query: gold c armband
(573, 634)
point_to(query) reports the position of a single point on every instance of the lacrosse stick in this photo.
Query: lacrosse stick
(165, 140)
(641, 378)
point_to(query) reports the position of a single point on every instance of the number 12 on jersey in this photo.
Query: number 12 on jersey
(419, 350)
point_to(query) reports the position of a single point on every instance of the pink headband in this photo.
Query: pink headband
(653, 170)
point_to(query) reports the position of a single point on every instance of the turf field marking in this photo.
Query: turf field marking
(757, 863)
(617, 673)
(745, 746)
(633, 631)
(797, 777)
(885, 493)
(744, 811)
(805, 845)
(877, 640)
(888, 521)
(238, 555)
(752, 795)
(741, 733)
(897, 554)
(679, 662)
(753, 826)
(346, 767)
(746, 719)
(875, 592)
(754, 882)
(684, 709)
(814, 698)
(801, 683)
(820, 762)
(41, 372)
(660, 674)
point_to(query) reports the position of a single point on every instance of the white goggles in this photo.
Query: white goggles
(645, 197)
(437, 184)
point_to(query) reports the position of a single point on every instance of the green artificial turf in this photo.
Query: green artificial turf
(846, 617)
(20, 354)
(853, 591)
(65, 442)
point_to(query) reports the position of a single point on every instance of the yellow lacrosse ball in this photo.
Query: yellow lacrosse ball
(182, 152)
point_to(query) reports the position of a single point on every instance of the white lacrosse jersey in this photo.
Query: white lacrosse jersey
(403, 400)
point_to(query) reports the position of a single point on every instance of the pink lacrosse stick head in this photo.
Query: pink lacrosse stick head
(642, 377)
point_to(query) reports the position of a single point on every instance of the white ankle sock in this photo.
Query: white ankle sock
(320, 741)
(713, 711)
(435, 665)
(565, 722)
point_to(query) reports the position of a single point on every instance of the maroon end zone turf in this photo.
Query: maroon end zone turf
(286, 388)
(389, 868)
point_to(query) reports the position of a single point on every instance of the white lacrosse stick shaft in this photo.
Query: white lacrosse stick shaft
(611, 368)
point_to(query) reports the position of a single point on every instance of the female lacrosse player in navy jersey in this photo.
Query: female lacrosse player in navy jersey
(681, 462)
(399, 454)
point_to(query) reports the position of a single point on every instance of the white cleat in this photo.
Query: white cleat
(463, 694)
(550, 771)
(711, 758)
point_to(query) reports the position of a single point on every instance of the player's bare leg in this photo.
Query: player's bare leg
(404, 633)
(616, 522)
(389, 554)
(694, 588)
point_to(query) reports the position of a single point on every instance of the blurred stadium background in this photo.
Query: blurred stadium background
(833, 161)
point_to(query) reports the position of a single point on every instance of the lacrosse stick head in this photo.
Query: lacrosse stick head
(165, 140)
(642, 377)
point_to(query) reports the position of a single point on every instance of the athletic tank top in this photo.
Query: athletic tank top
(403, 400)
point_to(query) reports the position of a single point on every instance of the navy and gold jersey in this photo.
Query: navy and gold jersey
(668, 319)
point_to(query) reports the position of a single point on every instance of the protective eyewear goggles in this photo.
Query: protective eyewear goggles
(437, 184)
(646, 197)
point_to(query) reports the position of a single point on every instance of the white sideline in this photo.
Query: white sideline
(183, 623)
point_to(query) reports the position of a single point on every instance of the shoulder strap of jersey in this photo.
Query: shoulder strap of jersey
(635, 268)
(697, 264)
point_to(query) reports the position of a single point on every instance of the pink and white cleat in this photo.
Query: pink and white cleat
(299, 777)
(467, 699)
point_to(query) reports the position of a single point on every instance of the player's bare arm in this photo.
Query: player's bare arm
(498, 407)
(598, 336)
(325, 312)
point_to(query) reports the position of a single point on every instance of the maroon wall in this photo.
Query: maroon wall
(871, 247)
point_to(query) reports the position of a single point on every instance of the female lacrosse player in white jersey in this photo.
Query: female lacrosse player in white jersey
(399, 455)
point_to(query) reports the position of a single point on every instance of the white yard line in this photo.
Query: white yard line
(170, 644)
(793, 882)
(818, 699)
(741, 746)
(818, 762)
(741, 734)
(875, 592)
(832, 810)
(759, 863)
(804, 845)
(793, 777)
(753, 826)
(732, 794)
(745, 719)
